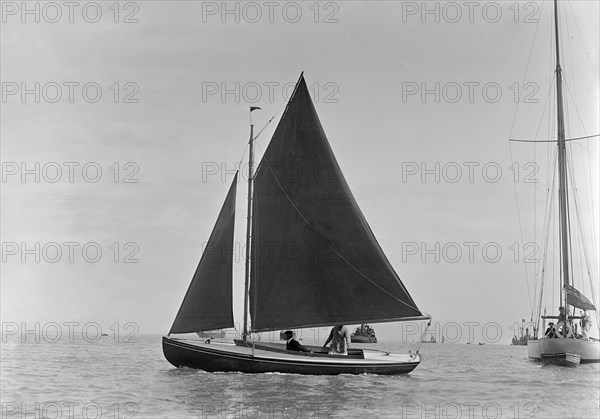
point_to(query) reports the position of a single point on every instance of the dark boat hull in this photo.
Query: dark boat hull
(214, 359)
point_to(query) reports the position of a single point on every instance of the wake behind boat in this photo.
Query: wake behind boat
(559, 341)
(339, 274)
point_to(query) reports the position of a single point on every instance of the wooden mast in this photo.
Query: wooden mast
(248, 227)
(562, 169)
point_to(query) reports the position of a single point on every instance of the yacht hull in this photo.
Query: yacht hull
(214, 357)
(545, 350)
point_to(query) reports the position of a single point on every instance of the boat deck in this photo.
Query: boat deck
(316, 351)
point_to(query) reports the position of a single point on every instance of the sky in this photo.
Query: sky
(122, 124)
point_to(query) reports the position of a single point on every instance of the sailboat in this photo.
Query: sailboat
(523, 336)
(431, 339)
(337, 274)
(561, 343)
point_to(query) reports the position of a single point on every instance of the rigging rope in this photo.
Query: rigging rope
(526, 69)
(531, 304)
(545, 240)
(420, 341)
(521, 228)
(553, 141)
(582, 43)
(260, 132)
(583, 246)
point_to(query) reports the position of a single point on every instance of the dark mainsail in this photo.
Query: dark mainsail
(207, 305)
(315, 260)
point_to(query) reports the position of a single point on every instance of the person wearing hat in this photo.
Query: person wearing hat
(292, 344)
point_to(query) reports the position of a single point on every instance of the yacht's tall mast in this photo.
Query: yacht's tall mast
(248, 226)
(562, 169)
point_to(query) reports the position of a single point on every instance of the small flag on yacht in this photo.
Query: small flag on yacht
(577, 299)
(253, 108)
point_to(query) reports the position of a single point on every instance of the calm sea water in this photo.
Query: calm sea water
(111, 379)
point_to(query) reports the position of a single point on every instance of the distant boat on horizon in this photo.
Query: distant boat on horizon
(431, 340)
(363, 334)
(522, 337)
